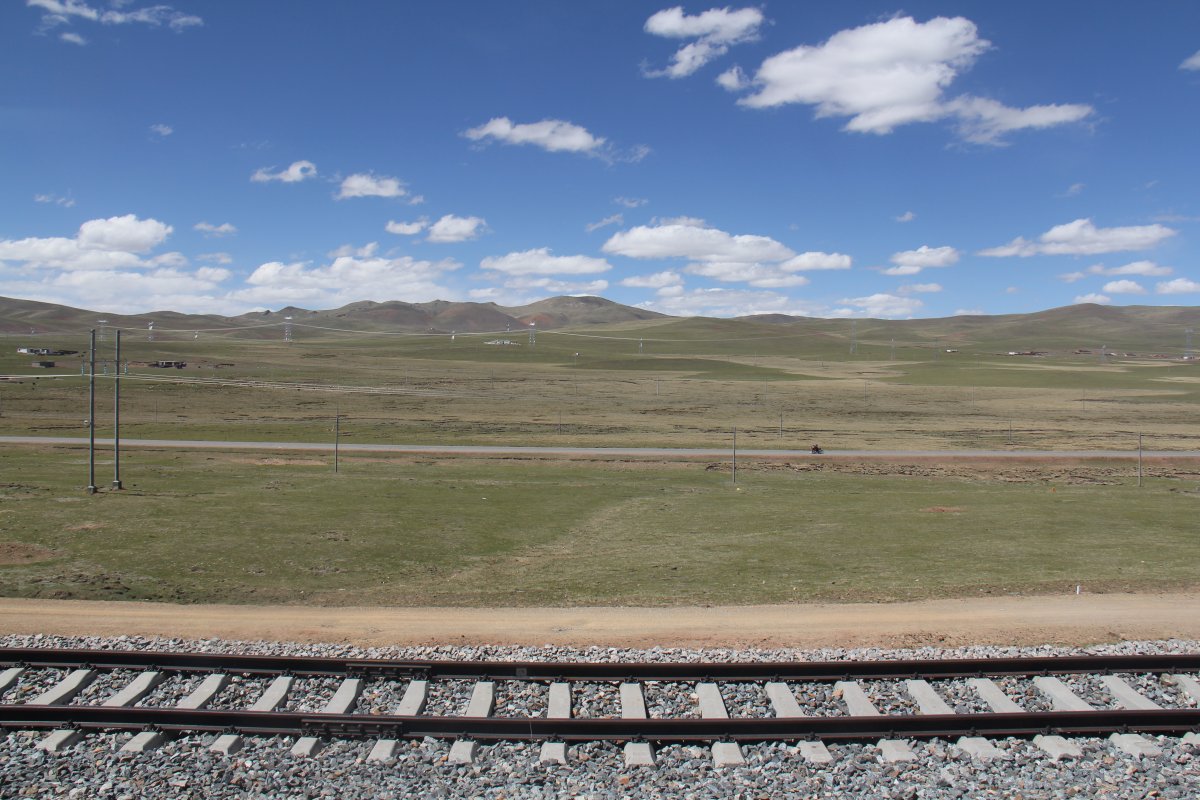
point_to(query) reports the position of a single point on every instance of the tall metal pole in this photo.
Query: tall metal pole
(337, 433)
(91, 488)
(735, 453)
(1139, 459)
(116, 484)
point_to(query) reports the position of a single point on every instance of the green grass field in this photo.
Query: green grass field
(247, 528)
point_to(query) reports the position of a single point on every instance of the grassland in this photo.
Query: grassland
(671, 382)
(241, 528)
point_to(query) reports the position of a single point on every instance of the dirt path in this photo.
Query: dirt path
(1070, 620)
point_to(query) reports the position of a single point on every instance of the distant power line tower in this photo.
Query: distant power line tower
(287, 329)
(532, 334)
(150, 332)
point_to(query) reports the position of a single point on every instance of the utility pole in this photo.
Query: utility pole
(91, 488)
(735, 454)
(337, 433)
(116, 484)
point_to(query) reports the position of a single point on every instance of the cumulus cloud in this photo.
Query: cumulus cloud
(815, 260)
(1082, 237)
(657, 280)
(126, 233)
(368, 250)
(892, 73)
(689, 238)
(72, 37)
(1124, 287)
(878, 306)
(540, 261)
(553, 135)
(1177, 286)
(1073, 190)
(920, 288)
(1192, 62)
(160, 130)
(910, 262)
(554, 286)
(348, 278)
(712, 32)
(407, 228)
(1099, 299)
(630, 202)
(761, 276)
(298, 171)
(208, 229)
(451, 228)
(907, 216)
(216, 258)
(720, 302)
(364, 184)
(1147, 268)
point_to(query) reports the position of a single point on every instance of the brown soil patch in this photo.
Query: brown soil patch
(1068, 619)
(21, 553)
(280, 462)
(86, 526)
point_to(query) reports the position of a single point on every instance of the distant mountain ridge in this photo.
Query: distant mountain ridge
(1076, 326)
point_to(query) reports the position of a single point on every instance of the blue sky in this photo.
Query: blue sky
(826, 159)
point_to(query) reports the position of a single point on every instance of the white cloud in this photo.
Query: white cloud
(691, 239)
(407, 228)
(879, 306)
(1100, 299)
(1147, 268)
(1082, 237)
(614, 219)
(367, 185)
(65, 202)
(553, 135)
(345, 280)
(73, 38)
(920, 288)
(657, 280)
(1071, 277)
(1123, 287)
(718, 302)
(62, 12)
(761, 276)
(216, 258)
(554, 286)
(451, 229)
(907, 216)
(985, 121)
(733, 79)
(1192, 62)
(208, 229)
(1177, 286)
(968, 312)
(894, 73)
(630, 202)
(714, 31)
(910, 262)
(1073, 190)
(161, 130)
(368, 250)
(814, 260)
(298, 171)
(126, 233)
(540, 262)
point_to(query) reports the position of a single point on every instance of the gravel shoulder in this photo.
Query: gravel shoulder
(1073, 620)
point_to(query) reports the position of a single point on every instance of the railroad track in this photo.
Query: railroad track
(156, 695)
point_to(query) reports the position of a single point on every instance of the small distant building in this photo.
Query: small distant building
(168, 364)
(504, 343)
(45, 351)
(43, 364)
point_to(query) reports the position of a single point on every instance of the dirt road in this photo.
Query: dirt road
(1069, 620)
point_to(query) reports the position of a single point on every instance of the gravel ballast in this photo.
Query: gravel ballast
(186, 768)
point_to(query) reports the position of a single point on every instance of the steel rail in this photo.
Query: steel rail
(741, 729)
(814, 671)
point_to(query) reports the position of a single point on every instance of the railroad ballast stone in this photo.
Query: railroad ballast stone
(184, 767)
